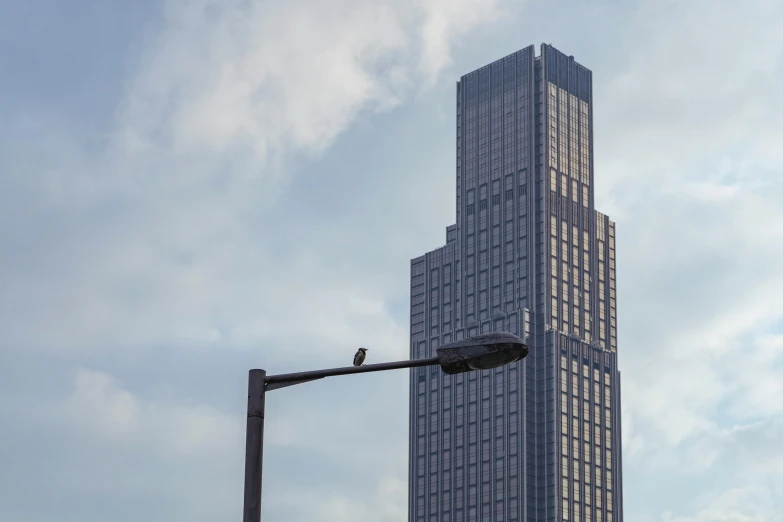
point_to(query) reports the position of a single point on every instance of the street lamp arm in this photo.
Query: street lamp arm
(289, 379)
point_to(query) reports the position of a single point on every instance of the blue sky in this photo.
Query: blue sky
(190, 189)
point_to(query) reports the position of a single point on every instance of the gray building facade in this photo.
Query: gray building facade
(537, 440)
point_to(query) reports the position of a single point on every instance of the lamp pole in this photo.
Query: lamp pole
(477, 353)
(254, 445)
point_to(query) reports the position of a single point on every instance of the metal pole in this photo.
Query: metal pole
(254, 448)
(331, 372)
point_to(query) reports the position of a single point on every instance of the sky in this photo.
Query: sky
(193, 188)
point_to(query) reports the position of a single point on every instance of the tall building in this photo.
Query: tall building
(537, 440)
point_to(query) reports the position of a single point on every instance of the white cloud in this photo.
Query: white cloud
(99, 406)
(98, 403)
(447, 21)
(383, 499)
(705, 355)
(695, 87)
(288, 77)
(694, 189)
(161, 241)
(685, 166)
(747, 504)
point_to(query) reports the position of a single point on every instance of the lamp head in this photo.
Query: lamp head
(482, 352)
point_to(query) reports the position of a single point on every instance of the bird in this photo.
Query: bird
(358, 359)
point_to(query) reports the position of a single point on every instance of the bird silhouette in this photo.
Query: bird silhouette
(358, 359)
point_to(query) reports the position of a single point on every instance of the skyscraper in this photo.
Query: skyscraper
(537, 440)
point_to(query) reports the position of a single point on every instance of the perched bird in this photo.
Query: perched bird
(358, 359)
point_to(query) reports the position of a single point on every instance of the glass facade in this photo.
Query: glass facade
(537, 440)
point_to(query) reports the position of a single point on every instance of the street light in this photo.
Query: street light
(482, 352)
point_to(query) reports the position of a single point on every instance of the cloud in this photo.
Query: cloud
(691, 181)
(273, 77)
(732, 506)
(685, 117)
(100, 407)
(160, 230)
(382, 499)
(687, 368)
(750, 491)
(99, 403)
(446, 22)
(695, 88)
